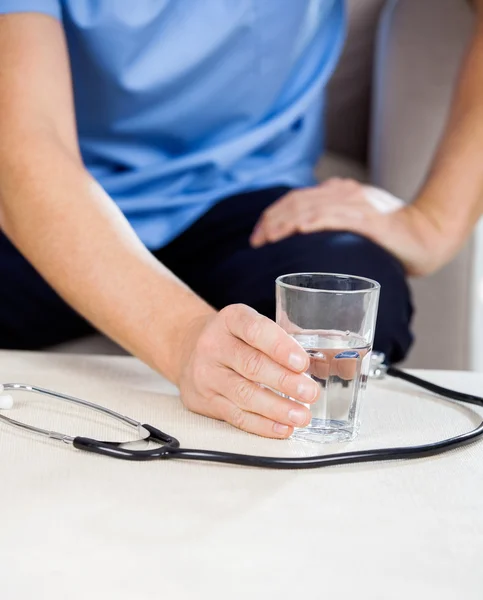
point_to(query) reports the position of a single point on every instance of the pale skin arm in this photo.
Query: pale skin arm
(59, 218)
(453, 194)
(75, 236)
(428, 233)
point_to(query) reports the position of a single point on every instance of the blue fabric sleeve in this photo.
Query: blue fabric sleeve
(46, 7)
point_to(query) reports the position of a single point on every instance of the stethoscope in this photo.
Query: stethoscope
(169, 447)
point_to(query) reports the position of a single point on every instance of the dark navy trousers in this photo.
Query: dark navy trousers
(215, 259)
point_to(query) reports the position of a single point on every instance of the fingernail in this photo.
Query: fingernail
(280, 429)
(297, 362)
(308, 391)
(297, 416)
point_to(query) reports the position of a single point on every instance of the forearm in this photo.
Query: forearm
(75, 236)
(452, 196)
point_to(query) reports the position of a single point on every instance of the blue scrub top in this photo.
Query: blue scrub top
(180, 103)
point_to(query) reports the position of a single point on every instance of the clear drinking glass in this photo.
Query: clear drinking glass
(333, 317)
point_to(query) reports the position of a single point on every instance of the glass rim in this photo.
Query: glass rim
(374, 285)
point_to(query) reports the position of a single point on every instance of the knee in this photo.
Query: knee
(393, 331)
(393, 334)
(367, 259)
(344, 252)
(332, 252)
(359, 254)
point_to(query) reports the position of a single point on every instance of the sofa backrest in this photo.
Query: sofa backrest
(349, 92)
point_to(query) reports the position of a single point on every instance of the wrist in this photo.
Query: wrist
(440, 236)
(452, 223)
(178, 344)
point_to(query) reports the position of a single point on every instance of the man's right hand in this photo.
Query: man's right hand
(230, 358)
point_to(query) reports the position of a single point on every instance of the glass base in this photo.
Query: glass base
(326, 431)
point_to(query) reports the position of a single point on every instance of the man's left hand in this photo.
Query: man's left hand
(341, 205)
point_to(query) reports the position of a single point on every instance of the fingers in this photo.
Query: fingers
(236, 357)
(312, 209)
(277, 221)
(258, 237)
(240, 364)
(252, 398)
(261, 333)
(256, 367)
(251, 422)
(347, 187)
(262, 352)
(321, 217)
(271, 231)
(337, 218)
(272, 228)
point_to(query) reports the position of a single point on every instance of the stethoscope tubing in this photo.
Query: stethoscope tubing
(170, 447)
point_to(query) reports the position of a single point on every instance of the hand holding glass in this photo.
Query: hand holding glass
(333, 317)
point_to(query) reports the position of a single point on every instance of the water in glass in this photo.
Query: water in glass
(339, 363)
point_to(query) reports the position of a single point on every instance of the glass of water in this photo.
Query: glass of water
(333, 317)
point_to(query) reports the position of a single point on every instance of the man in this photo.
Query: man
(156, 165)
